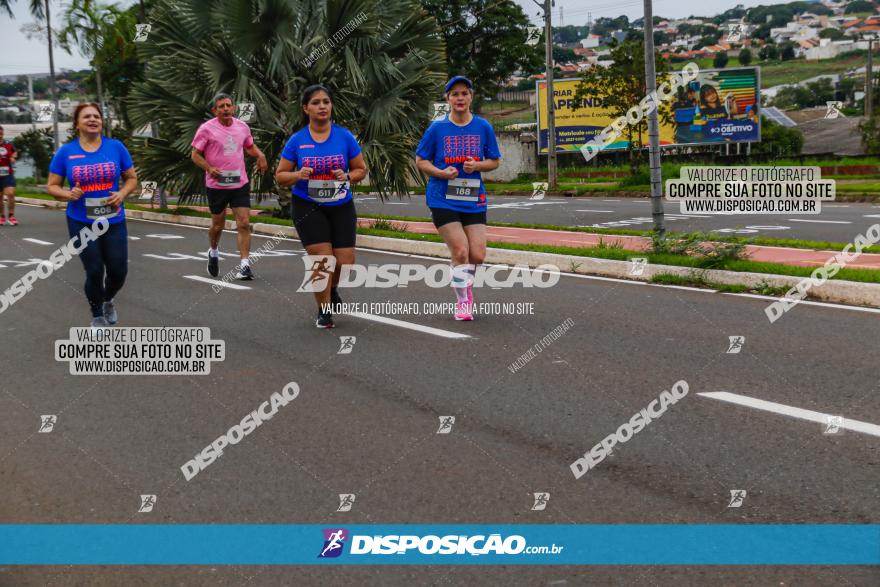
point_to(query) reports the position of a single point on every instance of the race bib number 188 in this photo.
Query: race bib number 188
(467, 190)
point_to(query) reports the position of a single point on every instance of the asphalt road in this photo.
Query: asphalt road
(838, 222)
(366, 422)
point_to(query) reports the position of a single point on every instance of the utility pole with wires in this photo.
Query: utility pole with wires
(869, 79)
(653, 125)
(31, 102)
(551, 114)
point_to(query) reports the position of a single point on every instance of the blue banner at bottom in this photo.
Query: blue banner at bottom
(424, 544)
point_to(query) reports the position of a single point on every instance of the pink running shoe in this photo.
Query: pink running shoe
(13, 221)
(2, 220)
(463, 311)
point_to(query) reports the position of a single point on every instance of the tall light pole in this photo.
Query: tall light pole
(869, 79)
(551, 115)
(653, 125)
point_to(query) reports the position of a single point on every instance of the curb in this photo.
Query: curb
(834, 290)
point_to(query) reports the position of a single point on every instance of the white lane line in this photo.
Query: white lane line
(408, 325)
(397, 203)
(800, 413)
(605, 211)
(808, 303)
(216, 282)
(837, 205)
(872, 215)
(820, 221)
(37, 241)
(610, 200)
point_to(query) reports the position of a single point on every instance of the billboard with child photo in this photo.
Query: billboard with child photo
(719, 106)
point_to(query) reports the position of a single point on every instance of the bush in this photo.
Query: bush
(720, 60)
(778, 140)
(745, 57)
(38, 146)
(710, 255)
(768, 52)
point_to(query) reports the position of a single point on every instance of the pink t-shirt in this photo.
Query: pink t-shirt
(223, 147)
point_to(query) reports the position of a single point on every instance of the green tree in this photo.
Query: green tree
(485, 41)
(383, 76)
(768, 52)
(870, 131)
(745, 56)
(833, 34)
(562, 55)
(37, 145)
(622, 85)
(858, 6)
(119, 61)
(569, 34)
(84, 24)
(706, 42)
(720, 60)
(815, 93)
(778, 140)
(787, 52)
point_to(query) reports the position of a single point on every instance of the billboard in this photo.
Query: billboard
(719, 106)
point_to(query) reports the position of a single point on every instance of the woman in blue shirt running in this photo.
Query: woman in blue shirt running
(320, 163)
(452, 153)
(93, 166)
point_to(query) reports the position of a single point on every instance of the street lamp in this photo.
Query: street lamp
(869, 75)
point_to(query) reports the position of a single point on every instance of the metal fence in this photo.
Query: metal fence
(514, 96)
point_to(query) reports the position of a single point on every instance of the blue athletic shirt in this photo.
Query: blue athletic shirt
(97, 173)
(444, 144)
(334, 153)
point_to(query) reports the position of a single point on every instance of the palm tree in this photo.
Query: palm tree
(84, 24)
(40, 11)
(383, 76)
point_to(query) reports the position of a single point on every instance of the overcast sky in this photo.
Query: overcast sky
(31, 56)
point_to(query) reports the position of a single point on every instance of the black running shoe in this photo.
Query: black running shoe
(244, 273)
(335, 300)
(325, 320)
(213, 265)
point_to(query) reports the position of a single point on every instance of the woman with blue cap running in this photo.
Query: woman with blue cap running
(453, 153)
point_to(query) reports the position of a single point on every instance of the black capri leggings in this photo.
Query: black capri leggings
(315, 223)
(109, 252)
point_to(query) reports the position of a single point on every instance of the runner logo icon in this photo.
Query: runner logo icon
(147, 503)
(346, 345)
(319, 270)
(346, 500)
(47, 423)
(737, 497)
(446, 423)
(541, 500)
(736, 344)
(539, 189)
(334, 542)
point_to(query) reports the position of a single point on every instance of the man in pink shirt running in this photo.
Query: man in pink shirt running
(218, 148)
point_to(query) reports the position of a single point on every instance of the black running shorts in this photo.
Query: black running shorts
(239, 197)
(315, 223)
(442, 216)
